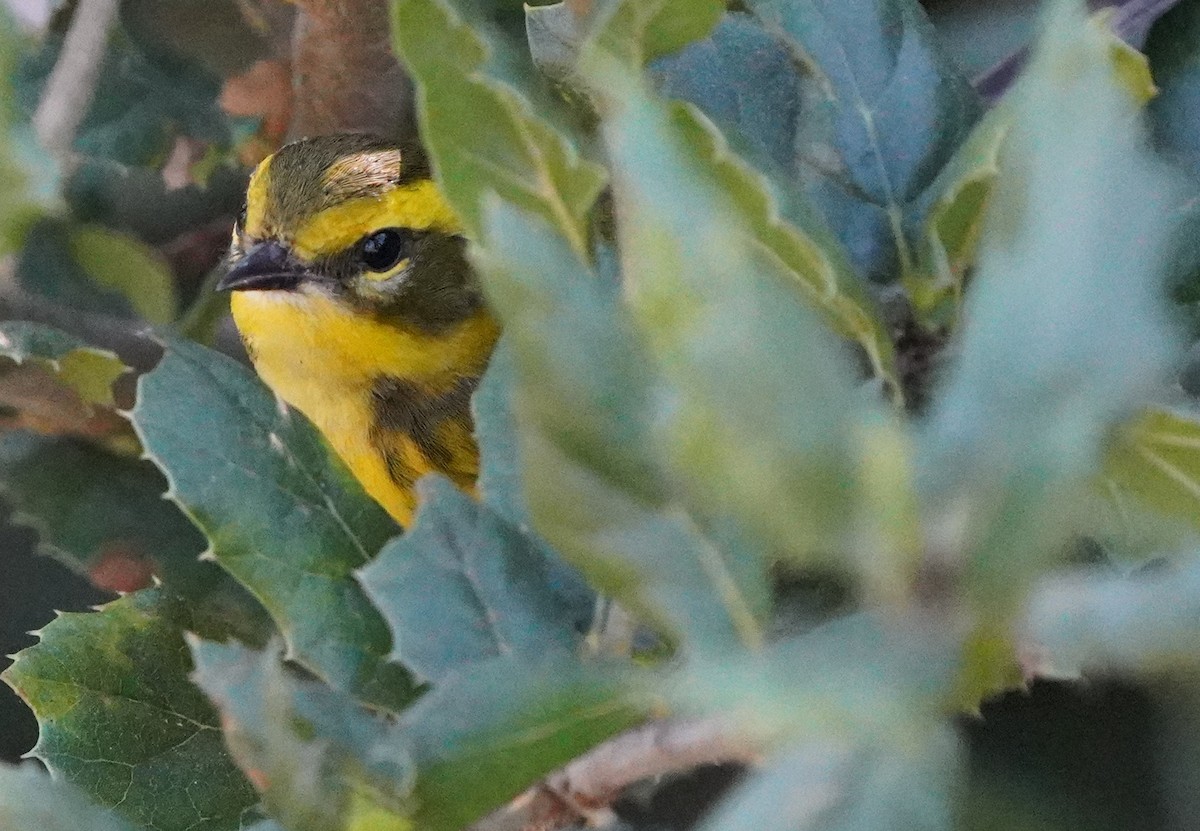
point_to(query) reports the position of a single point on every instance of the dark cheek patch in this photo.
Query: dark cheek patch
(401, 406)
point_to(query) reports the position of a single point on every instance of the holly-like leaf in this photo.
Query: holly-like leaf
(282, 514)
(321, 762)
(496, 728)
(711, 290)
(120, 263)
(482, 136)
(463, 586)
(888, 109)
(119, 719)
(88, 371)
(30, 800)
(103, 515)
(583, 392)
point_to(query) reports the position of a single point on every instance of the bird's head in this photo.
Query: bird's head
(356, 222)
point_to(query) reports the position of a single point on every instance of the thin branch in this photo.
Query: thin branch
(69, 91)
(345, 77)
(586, 788)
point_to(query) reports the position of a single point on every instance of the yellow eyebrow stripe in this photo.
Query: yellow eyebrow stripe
(419, 206)
(256, 199)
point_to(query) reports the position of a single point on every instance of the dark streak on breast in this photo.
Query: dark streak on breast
(401, 406)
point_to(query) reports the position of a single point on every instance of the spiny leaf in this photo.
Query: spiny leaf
(583, 392)
(119, 719)
(463, 586)
(103, 515)
(481, 135)
(88, 371)
(282, 514)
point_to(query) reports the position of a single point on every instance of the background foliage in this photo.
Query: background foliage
(847, 386)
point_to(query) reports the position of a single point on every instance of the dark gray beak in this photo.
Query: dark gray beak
(266, 266)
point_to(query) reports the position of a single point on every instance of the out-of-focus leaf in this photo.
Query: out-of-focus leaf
(1144, 623)
(517, 155)
(500, 482)
(282, 514)
(30, 800)
(958, 198)
(122, 264)
(1174, 51)
(715, 300)
(583, 391)
(141, 103)
(88, 371)
(832, 787)
(103, 515)
(487, 733)
(21, 167)
(119, 719)
(221, 35)
(892, 110)
(1067, 326)
(321, 762)
(1155, 459)
(464, 586)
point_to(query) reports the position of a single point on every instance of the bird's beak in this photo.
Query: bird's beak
(267, 265)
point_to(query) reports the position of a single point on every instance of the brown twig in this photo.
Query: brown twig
(344, 74)
(69, 90)
(585, 789)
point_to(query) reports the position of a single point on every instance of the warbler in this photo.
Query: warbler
(353, 294)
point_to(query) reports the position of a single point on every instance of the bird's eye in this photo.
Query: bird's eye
(384, 249)
(240, 223)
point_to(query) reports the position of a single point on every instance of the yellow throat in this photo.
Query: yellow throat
(353, 296)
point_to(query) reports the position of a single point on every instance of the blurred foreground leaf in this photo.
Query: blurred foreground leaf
(119, 719)
(321, 762)
(589, 471)
(30, 800)
(282, 514)
(498, 727)
(1155, 459)
(715, 303)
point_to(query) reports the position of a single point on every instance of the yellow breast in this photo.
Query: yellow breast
(387, 397)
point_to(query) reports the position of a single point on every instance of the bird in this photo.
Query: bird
(352, 290)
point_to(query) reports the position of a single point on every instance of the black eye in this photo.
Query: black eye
(240, 224)
(383, 249)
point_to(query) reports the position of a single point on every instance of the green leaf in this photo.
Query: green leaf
(28, 180)
(30, 800)
(142, 100)
(645, 31)
(826, 787)
(103, 515)
(88, 371)
(1067, 327)
(1155, 460)
(1174, 51)
(583, 393)
(464, 586)
(890, 106)
(481, 135)
(496, 728)
(282, 514)
(763, 411)
(321, 761)
(1144, 623)
(119, 719)
(122, 264)
(959, 195)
